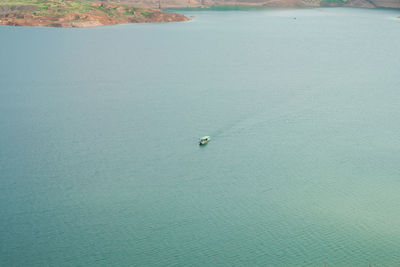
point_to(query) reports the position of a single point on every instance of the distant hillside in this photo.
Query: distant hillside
(266, 3)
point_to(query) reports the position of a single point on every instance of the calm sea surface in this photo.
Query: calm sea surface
(99, 160)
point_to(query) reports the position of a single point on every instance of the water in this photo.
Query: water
(99, 161)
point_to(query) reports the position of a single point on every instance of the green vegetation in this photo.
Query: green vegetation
(46, 4)
(334, 1)
(62, 7)
(145, 13)
(102, 9)
(129, 13)
(43, 7)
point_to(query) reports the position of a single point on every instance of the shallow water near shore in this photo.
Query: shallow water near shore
(99, 128)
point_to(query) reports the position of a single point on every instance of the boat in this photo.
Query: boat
(204, 140)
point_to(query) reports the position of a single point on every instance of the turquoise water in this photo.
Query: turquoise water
(99, 161)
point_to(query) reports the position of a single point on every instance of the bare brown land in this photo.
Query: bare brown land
(68, 13)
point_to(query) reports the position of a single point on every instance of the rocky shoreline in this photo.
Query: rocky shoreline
(79, 14)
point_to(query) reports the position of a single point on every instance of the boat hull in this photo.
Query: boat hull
(204, 140)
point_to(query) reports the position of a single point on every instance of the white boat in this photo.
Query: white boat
(204, 140)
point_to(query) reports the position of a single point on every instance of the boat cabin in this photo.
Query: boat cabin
(204, 140)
